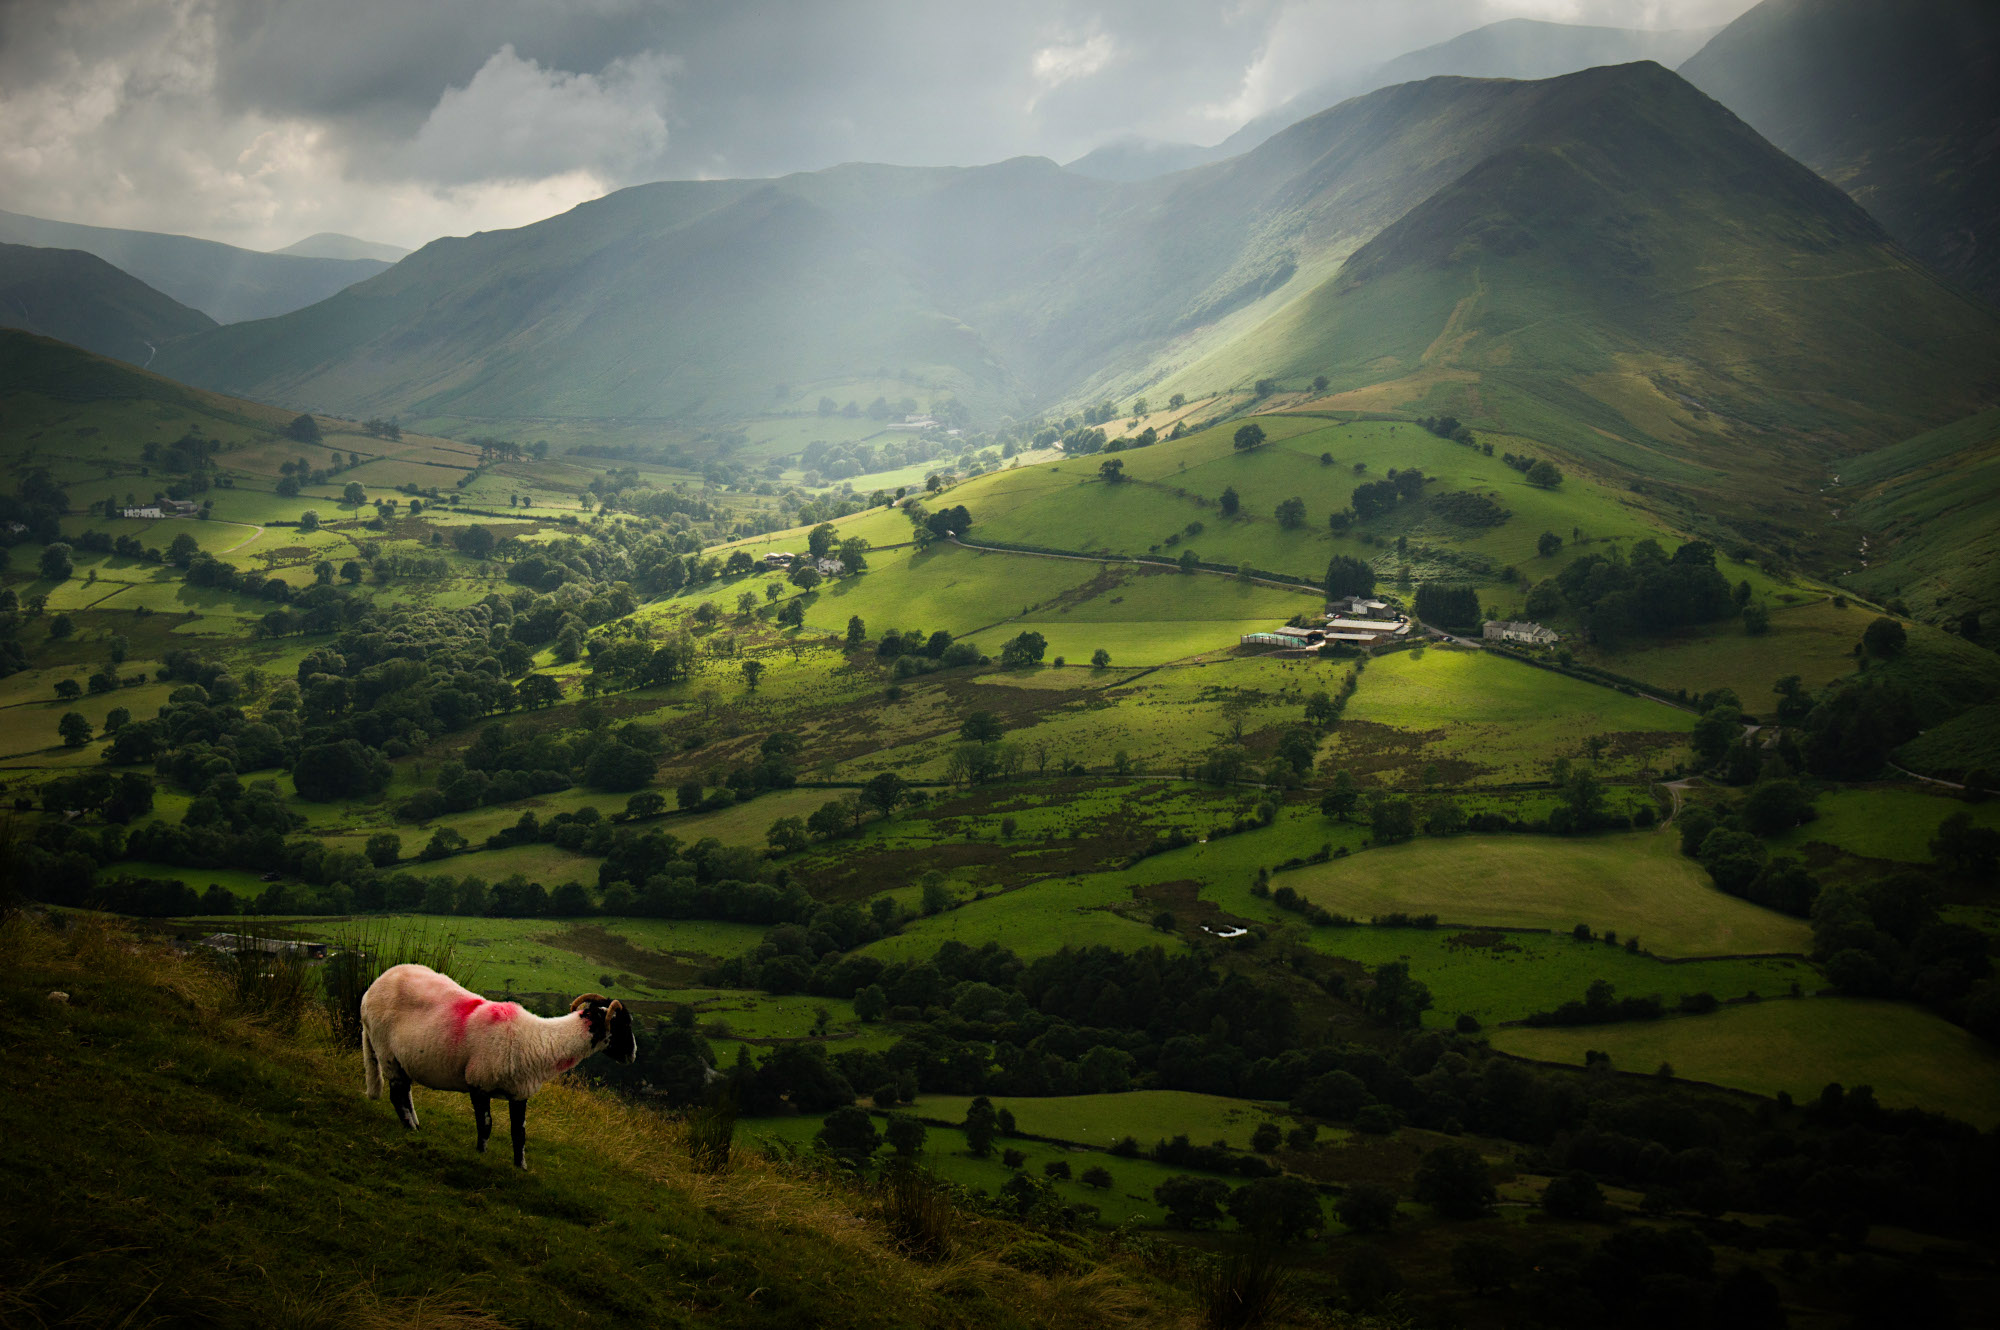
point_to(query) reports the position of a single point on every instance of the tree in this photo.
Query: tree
(753, 672)
(55, 563)
(904, 1133)
(871, 1002)
(351, 572)
(1392, 819)
(1192, 1202)
(1881, 639)
(354, 496)
(1112, 469)
(303, 429)
(1484, 1265)
(1279, 1210)
(68, 690)
(1548, 543)
(1096, 1176)
(1773, 806)
(309, 520)
(1230, 501)
(1341, 797)
(828, 820)
(885, 792)
(1453, 1181)
(1292, 514)
(787, 835)
(1249, 436)
(1348, 576)
(936, 895)
(1756, 619)
(384, 848)
(857, 631)
(1320, 382)
(1267, 1138)
(805, 577)
(74, 729)
(982, 727)
(475, 542)
(1962, 848)
(1100, 658)
(849, 1135)
(1026, 649)
(982, 1124)
(539, 690)
(116, 718)
(1544, 475)
(820, 539)
(62, 626)
(347, 769)
(1367, 1207)
(618, 766)
(1574, 1197)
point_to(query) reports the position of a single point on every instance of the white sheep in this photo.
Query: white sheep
(420, 1028)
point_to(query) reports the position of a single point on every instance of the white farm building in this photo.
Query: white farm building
(1519, 632)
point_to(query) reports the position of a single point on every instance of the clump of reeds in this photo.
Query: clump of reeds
(358, 957)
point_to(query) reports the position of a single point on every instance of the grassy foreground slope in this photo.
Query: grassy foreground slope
(238, 1178)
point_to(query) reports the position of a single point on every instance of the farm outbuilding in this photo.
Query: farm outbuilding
(1526, 634)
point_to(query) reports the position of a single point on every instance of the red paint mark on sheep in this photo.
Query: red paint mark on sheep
(461, 1012)
(498, 1012)
(565, 1065)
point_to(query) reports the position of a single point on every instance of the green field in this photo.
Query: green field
(1100, 1121)
(1496, 976)
(1129, 1200)
(1912, 1058)
(1883, 822)
(1637, 883)
(1485, 719)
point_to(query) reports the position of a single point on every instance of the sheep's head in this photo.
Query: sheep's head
(610, 1026)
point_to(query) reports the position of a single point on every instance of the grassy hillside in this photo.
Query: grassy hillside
(1926, 509)
(1643, 282)
(77, 297)
(1893, 103)
(226, 283)
(252, 1185)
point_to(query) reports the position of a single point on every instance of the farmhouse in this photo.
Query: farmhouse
(143, 512)
(777, 559)
(830, 567)
(1527, 634)
(1355, 606)
(914, 424)
(181, 507)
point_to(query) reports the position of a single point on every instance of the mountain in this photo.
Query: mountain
(1640, 279)
(1516, 48)
(226, 283)
(333, 245)
(1897, 102)
(77, 297)
(1608, 261)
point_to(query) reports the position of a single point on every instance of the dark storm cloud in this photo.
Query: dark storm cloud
(260, 120)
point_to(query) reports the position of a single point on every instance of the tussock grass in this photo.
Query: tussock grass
(237, 1178)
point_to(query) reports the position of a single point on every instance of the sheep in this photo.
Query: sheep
(420, 1028)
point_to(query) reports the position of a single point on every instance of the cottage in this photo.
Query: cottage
(830, 567)
(1519, 632)
(144, 512)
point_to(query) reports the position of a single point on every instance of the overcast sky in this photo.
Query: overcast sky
(259, 122)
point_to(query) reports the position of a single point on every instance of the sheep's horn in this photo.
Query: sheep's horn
(588, 999)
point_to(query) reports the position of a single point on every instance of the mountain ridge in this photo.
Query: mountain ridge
(79, 298)
(222, 281)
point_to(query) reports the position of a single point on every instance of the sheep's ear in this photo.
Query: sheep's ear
(588, 999)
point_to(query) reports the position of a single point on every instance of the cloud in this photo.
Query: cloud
(516, 120)
(1055, 65)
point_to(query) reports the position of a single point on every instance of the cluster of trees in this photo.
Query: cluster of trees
(1373, 498)
(1541, 472)
(1452, 606)
(1886, 938)
(1619, 596)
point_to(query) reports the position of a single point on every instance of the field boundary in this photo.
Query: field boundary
(1145, 560)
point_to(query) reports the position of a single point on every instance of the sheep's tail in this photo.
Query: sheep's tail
(371, 1067)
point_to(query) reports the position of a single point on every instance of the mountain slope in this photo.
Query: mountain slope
(77, 297)
(214, 1188)
(333, 245)
(226, 283)
(1640, 278)
(1013, 285)
(1515, 48)
(1897, 103)
(1926, 506)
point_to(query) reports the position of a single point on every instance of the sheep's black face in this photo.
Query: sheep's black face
(624, 1045)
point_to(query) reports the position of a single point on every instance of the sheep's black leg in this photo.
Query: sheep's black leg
(399, 1095)
(482, 1114)
(517, 1118)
